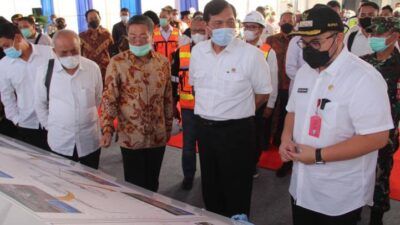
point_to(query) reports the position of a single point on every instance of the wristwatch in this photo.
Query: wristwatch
(318, 157)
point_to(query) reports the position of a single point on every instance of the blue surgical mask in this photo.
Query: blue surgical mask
(12, 52)
(377, 44)
(223, 36)
(140, 51)
(26, 32)
(163, 22)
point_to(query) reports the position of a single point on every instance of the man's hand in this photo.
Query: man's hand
(176, 113)
(267, 112)
(287, 147)
(106, 140)
(306, 154)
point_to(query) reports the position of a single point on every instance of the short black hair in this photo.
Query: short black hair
(91, 10)
(334, 4)
(262, 10)
(28, 19)
(215, 7)
(153, 16)
(143, 20)
(8, 30)
(369, 4)
(124, 10)
(388, 7)
(16, 16)
(287, 13)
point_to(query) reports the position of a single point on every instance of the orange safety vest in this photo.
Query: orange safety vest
(166, 47)
(186, 97)
(265, 48)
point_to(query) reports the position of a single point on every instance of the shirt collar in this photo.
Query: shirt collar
(170, 29)
(33, 54)
(338, 63)
(228, 48)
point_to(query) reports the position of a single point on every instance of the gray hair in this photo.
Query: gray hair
(61, 33)
(198, 19)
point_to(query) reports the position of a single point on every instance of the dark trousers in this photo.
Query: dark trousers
(35, 137)
(302, 216)
(227, 154)
(92, 160)
(283, 97)
(142, 166)
(8, 128)
(189, 122)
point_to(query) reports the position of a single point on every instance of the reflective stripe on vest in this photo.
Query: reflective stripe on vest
(186, 98)
(265, 48)
(184, 57)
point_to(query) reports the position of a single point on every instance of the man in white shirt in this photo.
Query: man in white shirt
(294, 60)
(356, 40)
(231, 80)
(28, 30)
(254, 25)
(338, 116)
(18, 73)
(67, 105)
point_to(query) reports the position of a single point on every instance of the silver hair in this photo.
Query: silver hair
(198, 19)
(66, 33)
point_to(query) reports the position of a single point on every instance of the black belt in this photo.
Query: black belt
(224, 123)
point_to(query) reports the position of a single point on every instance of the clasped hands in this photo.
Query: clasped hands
(291, 151)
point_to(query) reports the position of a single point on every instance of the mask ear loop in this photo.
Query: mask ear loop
(330, 61)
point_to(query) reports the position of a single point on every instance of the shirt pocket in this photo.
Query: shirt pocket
(87, 98)
(199, 80)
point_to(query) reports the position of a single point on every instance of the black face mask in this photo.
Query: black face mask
(365, 22)
(286, 28)
(315, 58)
(94, 24)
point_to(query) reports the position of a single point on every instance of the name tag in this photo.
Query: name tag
(315, 126)
(302, 90)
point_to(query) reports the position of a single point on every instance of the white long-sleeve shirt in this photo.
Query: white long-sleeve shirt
(70, 115)
(294, 60)
(273, 68)
(17, 78)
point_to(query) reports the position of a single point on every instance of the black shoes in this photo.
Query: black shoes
(187, 184)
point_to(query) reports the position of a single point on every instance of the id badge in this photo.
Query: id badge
(315, 126)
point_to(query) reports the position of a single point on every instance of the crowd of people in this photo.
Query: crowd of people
(323, 88)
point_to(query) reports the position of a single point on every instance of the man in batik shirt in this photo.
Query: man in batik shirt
(386, 59)
(96, 42)
(138, 91)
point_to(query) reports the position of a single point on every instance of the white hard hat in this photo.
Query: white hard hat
(254, 17)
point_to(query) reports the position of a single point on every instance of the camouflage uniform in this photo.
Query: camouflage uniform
(390, 70)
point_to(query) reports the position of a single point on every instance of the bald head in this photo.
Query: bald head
(66, 43)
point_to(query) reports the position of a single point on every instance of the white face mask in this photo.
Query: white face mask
(197, 38)
(249, 35)
(70, 62)
(124, 19)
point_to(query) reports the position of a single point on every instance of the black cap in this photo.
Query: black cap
(318, 20)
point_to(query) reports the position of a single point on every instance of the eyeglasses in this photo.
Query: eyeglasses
(252, 27)
(316, 44)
